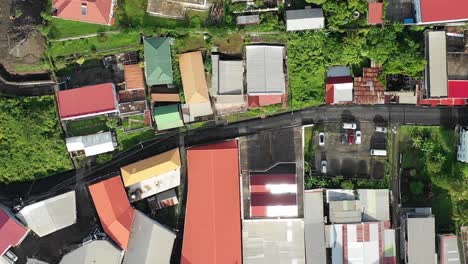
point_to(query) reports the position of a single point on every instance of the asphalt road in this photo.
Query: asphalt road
(392, 114)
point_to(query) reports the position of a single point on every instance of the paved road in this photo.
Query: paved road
(393, 114)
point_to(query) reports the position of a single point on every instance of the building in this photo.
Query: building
(87, 101)
(158, 61)
(372, 202)
(448, 249)
(418, 235)
(248, 20)
(50, 215)
(133, 76)
(375, 13)
(227, 85)
(168, 117)
(164, 94)
(161, 200)
(462, 153)
(197, 100)
(152, 175)
(133, 99)
(114, 210)
(436, 69)
(440, 12)
(150, 242)
(96, 252)
(273, 241)
(304, 19)
(96, 12)
(12, 231)
(339, 87)
(265, 75)
(367, 89)
(91, 145)
(362, 243)
(314, 227)
(213, 218)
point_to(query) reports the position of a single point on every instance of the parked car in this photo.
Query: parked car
(358, 137)
(10, 256)
(378, 152)
(343, 137)
(349, 126)
(381, 129)
(323, 167)
(321, 138)
(350, 137)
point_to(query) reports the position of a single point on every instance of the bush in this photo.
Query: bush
(416, 188)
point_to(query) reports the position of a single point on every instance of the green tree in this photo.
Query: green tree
(416, 187)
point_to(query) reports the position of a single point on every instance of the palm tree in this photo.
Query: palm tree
(417, 142)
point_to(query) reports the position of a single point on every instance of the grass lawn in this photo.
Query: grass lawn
(133, 122)
(29, 68)
(87, 126)
(308, 149)
(231, 44)
(66, 28)
(190, 42)
(129, 139)
(95, 44)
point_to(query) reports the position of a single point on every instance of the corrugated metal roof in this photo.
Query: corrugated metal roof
(304, 19)
(192, 72)
(264, 68)
(91, 144)
(448, 249)
(231, 77)
(375, 13)
(133, 77)
(338, 71)
(421, 240)
(11, 231)
(48, 216)
(248, 20)
(158, 61)
(96, 252)
(433, 11)
(345, 211)
(375, 204)
(367, 89)
(314, 227)
(436, 69)
(273, 241)
(212, 232)
(151, 167)
(167, 117)
(150, 242)
(113, 208)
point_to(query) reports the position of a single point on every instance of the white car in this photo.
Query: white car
(321, 138)
(323, 167)
(349, 126)
(381, 129)
(358, 137)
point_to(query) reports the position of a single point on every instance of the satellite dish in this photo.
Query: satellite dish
(356, 14)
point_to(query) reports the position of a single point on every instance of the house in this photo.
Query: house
(265, 75)
(161, 200)
(114, 210)
(164, 94)
(462, 153)
(91, 145)
(213, 218)
(375, 13)
(96, 12)
(50, 215)
(133, 76)
(418, 235)
(168, 117)
(304, 19)
(273, 241)
(96, 252)
(372, 242)
(12, 232)
(197, 100)
(87, 101)
(314, 227)
(367, 89)
(448, 249)
(375, 204)
(227, 85)
(152, 175)
(339, 86)
(158, 61)
(440, 12)
(150, 242)
(133, 99)
(248, 20)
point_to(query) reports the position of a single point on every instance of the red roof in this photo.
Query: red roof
(97, 11)
(212, 232)
(87, 101)
(329, 94)
(339, 79)
(443, 10)
(367, 89)
(375, 14)
(113, 208)
(445, 102)
(263, 100)
(458, 89)
(11, 232)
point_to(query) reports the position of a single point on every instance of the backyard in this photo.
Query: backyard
(432, 176)
(86, 126)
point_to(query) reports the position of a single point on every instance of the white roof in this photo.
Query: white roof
(375, 204)
(421, 240)
(343, 92)
(157, 184)
(50, 215)
(150, 242)
(91, 144)
(304, 19)
(265, 74)
(95, 252)
(436, 73)
(196, 110)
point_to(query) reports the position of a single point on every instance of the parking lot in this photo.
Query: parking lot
(350, 160)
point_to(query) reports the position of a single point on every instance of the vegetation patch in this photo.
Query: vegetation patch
(87, 126)
(31, 143)
(127, 140)
(60, 28)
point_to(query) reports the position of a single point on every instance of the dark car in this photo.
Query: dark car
(343, 137)
(350, 137)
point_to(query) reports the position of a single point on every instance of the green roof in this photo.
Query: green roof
(158, 62)
(167, 117)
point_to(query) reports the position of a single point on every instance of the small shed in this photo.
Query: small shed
(304, 19)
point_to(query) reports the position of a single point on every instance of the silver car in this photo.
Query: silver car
(323, 167)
